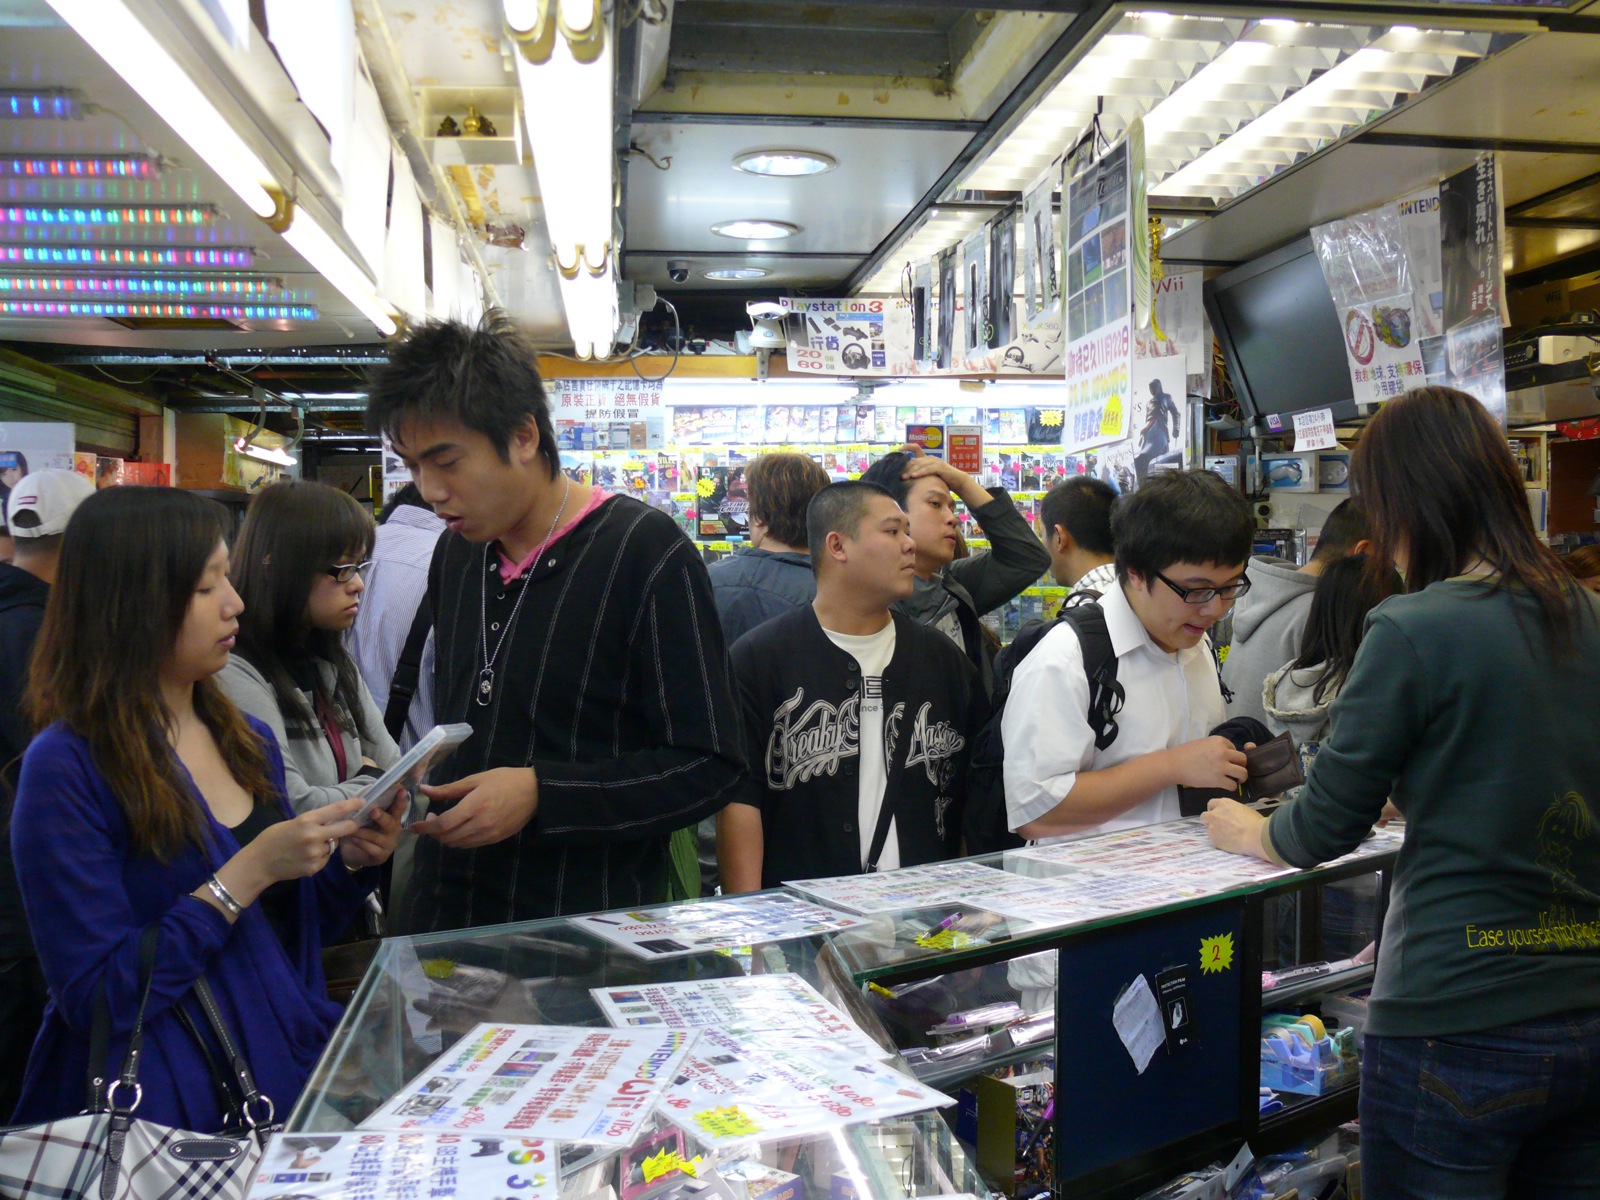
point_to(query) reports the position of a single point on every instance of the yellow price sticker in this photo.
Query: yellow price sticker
(1216, 953)
(706, 486)
(660, 1165)
(946, 939)
(1111, 418)
(1050, 417)
(729, 1121)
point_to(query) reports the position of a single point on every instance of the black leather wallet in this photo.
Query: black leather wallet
(1274, 768)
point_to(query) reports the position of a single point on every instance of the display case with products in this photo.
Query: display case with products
(869, 995)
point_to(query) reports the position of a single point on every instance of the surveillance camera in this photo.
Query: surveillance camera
(678, 270)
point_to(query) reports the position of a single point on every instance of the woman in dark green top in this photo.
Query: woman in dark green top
(1472, 703)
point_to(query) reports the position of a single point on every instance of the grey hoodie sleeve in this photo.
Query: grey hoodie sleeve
(1015, 560)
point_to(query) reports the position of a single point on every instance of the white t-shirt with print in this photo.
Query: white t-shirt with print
(872, 653)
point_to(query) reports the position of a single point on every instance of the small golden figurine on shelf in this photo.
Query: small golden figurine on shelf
(448, 128)
(478, 125)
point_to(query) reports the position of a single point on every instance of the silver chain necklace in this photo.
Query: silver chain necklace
(486, 676)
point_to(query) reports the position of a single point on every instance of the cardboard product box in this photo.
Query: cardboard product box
(759, 1181)
(1008, 1110)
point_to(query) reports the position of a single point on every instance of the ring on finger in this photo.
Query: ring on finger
(333, 845)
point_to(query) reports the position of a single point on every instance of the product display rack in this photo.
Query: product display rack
(421, 993)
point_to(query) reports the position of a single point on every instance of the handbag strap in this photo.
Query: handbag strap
(103, 1096)
(237, 1069)
(228, 1098)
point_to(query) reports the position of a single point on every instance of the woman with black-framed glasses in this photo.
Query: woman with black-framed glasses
(298, 566)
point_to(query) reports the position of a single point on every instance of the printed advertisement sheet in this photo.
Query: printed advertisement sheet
(1099, 326)
(672, 930)
(544, 1081)
(733, 1091)
(447, 1166)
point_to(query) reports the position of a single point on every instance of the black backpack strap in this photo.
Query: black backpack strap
(1100, 667)
(408, 671)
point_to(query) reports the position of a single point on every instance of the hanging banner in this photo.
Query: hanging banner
(923, 348)
(1179, 325)
(1368, 273)
(608, 414)
(1041, 293)
(1099, 337)
(1002, 278)
(1471, 231)
(1139, 249)
(947, 309)
(975, 290)
(849, 337)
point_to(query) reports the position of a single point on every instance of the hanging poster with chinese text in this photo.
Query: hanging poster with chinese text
(1099, 326)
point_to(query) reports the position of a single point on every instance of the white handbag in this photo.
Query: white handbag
(107, 1153)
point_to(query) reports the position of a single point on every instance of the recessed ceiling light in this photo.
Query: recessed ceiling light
(755, 231)
(737, 273)
(784, 163)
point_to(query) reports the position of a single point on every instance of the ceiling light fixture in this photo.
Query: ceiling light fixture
(238, 257)
(266, 454)
(723, 274)
(784, 164)
(751, 230)
(192, 312)
(79, 166)
(573, 75)
(106, 214)
(45, 104)
(314, 244)
(151, 286)
(114, 33)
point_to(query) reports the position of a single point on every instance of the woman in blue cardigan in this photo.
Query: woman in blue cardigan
(149, 799)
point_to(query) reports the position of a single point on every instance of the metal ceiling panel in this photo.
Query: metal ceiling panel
(881, 174)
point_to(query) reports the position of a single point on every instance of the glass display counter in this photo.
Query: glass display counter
(945, 973)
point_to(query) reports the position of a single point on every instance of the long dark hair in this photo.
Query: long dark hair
(130, 562)
(1346, 592)
(1437, 479)
(292, 533)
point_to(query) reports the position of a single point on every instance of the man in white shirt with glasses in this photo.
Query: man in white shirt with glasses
(1182, 544)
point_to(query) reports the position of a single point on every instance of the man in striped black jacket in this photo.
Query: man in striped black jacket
(574, 631)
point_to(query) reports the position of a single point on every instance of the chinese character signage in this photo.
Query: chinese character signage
(1099, 328)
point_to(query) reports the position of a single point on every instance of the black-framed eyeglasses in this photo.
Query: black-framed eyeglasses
(1205, 595)
(345, 572)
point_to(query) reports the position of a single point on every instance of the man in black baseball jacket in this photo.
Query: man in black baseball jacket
(858, 721)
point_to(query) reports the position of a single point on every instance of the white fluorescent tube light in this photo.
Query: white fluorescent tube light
(266, 454)
(569, 109)
(330, 261)
(132, 52)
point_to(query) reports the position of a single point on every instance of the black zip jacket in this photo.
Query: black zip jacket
(798, 699)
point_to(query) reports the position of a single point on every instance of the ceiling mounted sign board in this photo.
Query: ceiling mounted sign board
(849, 336)
(1095, 239)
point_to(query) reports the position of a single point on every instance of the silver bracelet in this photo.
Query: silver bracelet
(224, 897)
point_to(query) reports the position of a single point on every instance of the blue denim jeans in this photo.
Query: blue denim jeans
(1510, 1112)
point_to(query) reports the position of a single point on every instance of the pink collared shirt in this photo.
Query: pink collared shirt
(510, 570)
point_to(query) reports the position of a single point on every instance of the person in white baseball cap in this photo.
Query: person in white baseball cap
(38, 508)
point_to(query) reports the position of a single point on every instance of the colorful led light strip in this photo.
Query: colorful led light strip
(224, 312)
(45, 104)
(105, 214)
(151, 286)
(73, 166)
(237, 257)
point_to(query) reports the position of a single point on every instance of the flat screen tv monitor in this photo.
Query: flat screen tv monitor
(1280, 335)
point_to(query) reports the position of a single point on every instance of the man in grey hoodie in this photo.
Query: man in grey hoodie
(951, 593)
(1269, 620)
